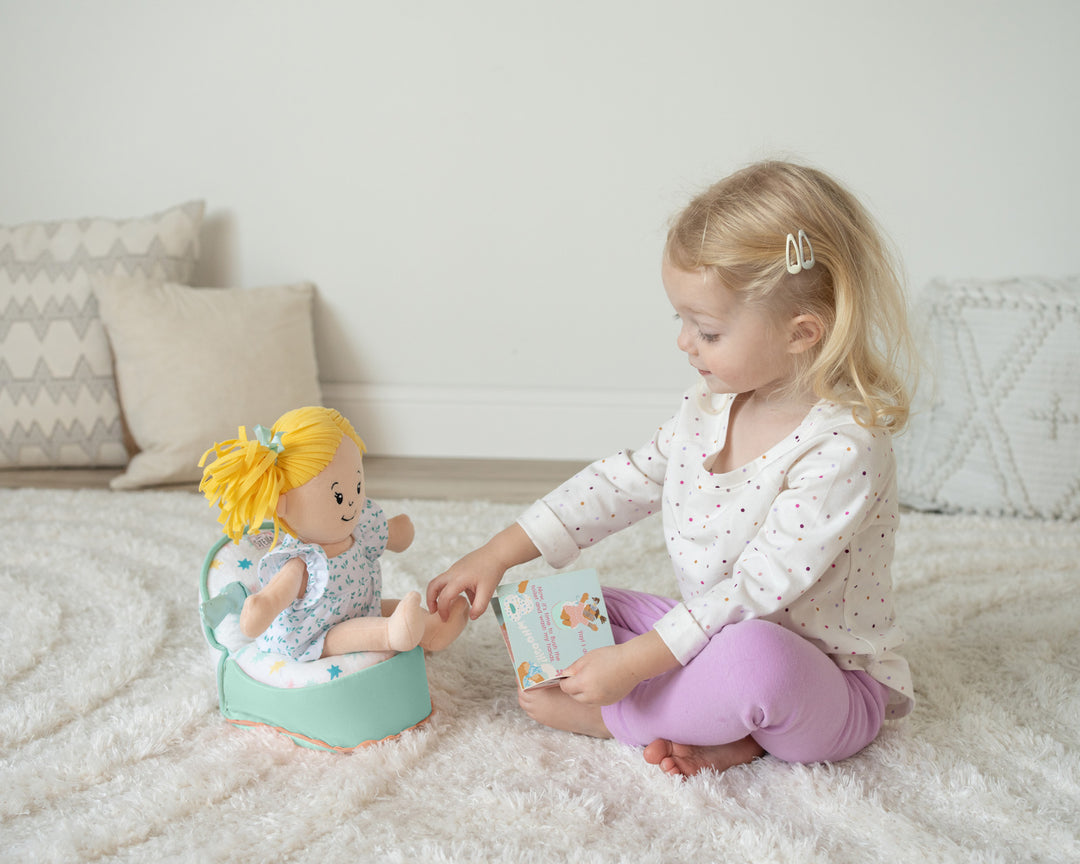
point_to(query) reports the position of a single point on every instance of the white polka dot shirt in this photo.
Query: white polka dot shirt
(803, 536)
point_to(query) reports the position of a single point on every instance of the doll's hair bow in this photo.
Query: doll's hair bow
(262, 435)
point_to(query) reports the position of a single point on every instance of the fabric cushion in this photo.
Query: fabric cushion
(194, 364)
(999, 432)
(58, 404)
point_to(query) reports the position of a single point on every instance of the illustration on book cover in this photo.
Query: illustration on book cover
(549, 622)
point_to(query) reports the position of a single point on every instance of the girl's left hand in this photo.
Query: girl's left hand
(601, 677)
(606, 675)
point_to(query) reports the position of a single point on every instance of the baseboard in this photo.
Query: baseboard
(499, 423)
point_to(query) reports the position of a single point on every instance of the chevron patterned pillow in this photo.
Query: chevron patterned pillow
(999, 431)
(58, 401)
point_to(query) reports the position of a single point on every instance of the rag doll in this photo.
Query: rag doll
(320, 588)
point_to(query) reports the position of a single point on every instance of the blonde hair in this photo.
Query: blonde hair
(248, 476)
(737, 231)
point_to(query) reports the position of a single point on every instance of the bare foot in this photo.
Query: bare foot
(551, 707)
(405, 626)
(438, 633)
(687, 760)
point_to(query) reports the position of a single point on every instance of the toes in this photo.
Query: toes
(657, 751)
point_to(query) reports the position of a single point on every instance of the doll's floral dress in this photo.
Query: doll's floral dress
(346, 586)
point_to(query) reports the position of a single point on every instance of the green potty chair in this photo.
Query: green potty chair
(334, 703)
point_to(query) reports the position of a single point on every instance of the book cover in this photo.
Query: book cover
(549, 622)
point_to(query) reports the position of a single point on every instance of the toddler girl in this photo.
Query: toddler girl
(777, 484)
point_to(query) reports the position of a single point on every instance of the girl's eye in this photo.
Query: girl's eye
(338, 497)
(701, 334)
(359, 488)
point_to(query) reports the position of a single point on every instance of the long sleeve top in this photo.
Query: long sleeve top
(803, 536)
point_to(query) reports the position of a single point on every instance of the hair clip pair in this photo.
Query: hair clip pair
(802, 260)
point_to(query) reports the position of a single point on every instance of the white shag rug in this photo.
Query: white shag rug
(112, 748)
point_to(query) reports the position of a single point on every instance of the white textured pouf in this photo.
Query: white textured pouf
(997, 424)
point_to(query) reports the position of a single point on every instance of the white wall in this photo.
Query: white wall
(480, 189)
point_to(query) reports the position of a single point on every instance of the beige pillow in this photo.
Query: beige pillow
(58, 404)
(193, 364)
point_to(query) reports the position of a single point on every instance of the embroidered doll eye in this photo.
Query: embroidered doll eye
(338, 497)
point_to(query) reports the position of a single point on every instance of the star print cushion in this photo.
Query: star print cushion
(996, 429)
(280, 670)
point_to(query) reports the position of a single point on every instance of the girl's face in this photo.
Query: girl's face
(735, 347)
(325, 509)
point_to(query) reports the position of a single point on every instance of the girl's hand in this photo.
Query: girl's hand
(606, 675)
(601, 677)
(478, 574)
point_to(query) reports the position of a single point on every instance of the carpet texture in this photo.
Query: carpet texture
(112, 748)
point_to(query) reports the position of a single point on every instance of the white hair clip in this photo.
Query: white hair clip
(800, 261)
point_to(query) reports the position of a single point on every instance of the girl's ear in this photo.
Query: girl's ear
(282, 503)
(805, 332)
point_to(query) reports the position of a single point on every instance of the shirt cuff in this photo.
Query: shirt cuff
(549, 535)
(681, 633)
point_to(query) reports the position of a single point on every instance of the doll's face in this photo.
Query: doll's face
(325, 509)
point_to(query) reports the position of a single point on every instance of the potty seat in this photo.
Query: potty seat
(334, 703)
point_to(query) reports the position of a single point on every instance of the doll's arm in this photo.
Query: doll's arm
(401, 533)
(261, 608)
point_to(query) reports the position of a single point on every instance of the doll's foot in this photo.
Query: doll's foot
(405, 626)
(687, 760)
(553, 708)
(438, 633)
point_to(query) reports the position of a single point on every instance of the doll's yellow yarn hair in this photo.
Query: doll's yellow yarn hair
(247, 476)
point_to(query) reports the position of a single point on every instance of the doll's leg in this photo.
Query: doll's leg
(400, 631)
(438, 634)
(753, 679)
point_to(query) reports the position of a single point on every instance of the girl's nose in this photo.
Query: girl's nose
(684, 340)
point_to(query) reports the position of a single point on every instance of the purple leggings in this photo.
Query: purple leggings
(753, 678)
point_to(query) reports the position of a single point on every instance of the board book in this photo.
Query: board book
(549, 622)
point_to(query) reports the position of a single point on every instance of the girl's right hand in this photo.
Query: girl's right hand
(478, 574)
